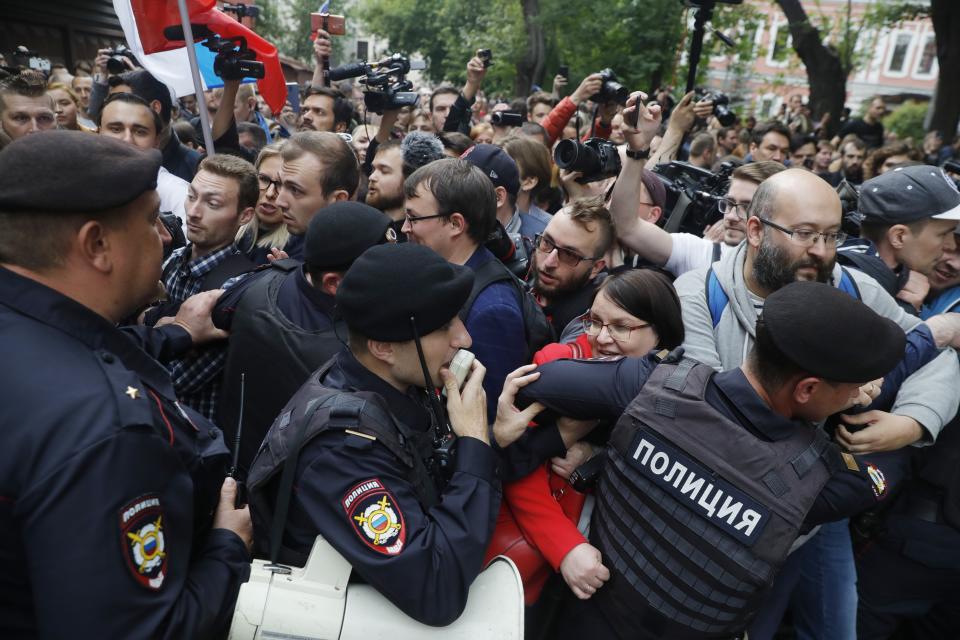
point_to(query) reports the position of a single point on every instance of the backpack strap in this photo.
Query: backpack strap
(717, 298)
(342, 412)
(233, 265)
(485, 275)
(286, 265)
(716, 251)
(848, 285)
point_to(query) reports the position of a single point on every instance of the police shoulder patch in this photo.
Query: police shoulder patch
(375, 516)
(878, 481)
(143, 542)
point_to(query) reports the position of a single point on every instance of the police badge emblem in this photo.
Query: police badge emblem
(375, 516)
(143, 542)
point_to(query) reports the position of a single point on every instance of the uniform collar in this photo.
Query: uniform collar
(321, 300)
(409, 408)
(53, 309)
(743, 400)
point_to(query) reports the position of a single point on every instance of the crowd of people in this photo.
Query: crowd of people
(737, 430)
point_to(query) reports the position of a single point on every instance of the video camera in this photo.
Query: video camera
(721, 107)
(597, 159)
(387, 86)
(234, 61)
(693, 195)
(611, 90)
(23, 58)
(115, 63)
(241, 10)
(507, 119)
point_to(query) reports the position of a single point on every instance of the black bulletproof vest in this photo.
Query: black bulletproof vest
(939, 466)
(695, 514)
(313, 410)
(276, 355)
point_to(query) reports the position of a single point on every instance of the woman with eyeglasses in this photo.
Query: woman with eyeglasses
(266, 231)
(633, 313)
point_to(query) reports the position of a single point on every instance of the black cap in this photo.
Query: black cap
(73, 172)
(830, 334)
(340, 232)
(496, 164)
(908, 194)
(391, 283)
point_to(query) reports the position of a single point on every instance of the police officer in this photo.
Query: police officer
(368, 480)
(909, 575)
(710, 478)
(282, 323)
(107, 484)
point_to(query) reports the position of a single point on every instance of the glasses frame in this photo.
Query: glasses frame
(588, 321)
(564, 255)
(815, 238)
(276, 184)
(724, 204)
(414, 219)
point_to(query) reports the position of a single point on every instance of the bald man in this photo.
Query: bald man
(792, 230)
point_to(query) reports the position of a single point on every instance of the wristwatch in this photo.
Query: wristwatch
(638, 155)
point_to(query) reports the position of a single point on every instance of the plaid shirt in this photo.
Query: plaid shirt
(196, 377)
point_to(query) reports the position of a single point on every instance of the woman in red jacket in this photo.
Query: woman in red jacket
(633, 313)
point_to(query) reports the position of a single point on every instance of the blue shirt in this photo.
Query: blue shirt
(495, 323)
(945, 301)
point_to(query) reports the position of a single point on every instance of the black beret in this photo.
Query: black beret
(830, 334)
(73, 172)
(391, 283)
(339, 233)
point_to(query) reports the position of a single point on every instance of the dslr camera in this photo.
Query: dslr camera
(387, 87)
(721, 107)
(115, 63)
(611, 90)
(23, 58)
(597, 159)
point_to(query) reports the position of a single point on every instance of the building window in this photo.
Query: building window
(898, 59)
(363, 49)
(780, 43)
(928, 57)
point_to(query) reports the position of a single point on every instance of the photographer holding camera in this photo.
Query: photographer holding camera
(459, 114)
(591, 88)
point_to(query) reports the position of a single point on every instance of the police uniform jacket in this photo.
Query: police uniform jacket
(355, 493)
(603, 389)
(107, 484)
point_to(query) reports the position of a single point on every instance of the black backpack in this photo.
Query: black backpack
(538, 332)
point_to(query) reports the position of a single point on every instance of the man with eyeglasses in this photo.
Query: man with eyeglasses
(679, 253)
(568, 257)
(25, 107)
(450, 207)
(792, 231)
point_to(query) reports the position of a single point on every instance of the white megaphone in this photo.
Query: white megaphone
(316, 603)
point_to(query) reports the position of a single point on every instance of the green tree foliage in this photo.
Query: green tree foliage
(638, 39)
(907, 121)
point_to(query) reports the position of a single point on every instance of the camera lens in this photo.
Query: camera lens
(115, 65)
(576, 156)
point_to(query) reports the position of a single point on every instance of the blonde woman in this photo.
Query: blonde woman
(266, 230)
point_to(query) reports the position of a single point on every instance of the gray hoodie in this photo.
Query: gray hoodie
(930, 396)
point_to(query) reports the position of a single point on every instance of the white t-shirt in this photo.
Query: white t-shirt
(691, 252)
(173, 193)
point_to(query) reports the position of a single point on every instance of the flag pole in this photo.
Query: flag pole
(197, 83)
